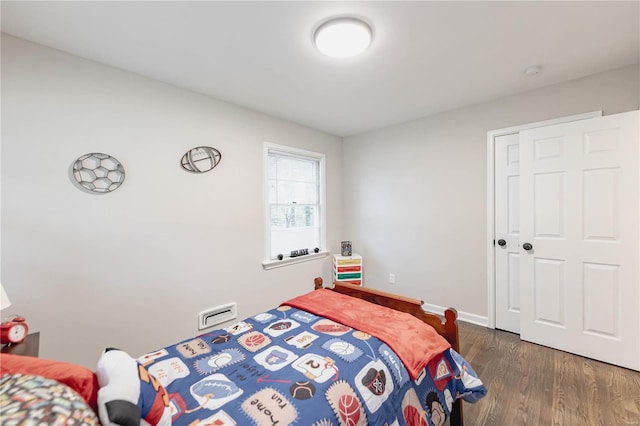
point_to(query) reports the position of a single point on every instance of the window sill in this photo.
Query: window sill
(272, 264)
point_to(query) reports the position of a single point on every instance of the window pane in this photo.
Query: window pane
(293, 186)
(293, 216)
(297, 192)
(297, 169)
(273, 162)
(273, 193)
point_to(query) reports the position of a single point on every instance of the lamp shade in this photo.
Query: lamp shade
(4, 299)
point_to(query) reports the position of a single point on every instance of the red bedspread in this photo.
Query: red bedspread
(411, 339)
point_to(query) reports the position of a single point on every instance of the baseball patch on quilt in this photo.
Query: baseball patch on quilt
(345, 404)
(269, 407)
(344, 350)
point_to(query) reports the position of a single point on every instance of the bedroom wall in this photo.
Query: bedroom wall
(415, 194)
(132, 269)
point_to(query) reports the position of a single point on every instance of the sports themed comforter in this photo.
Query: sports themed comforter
(314, 360)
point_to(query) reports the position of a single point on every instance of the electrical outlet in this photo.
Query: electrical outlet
(392, 278)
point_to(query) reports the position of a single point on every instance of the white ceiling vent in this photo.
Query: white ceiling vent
(218, 315)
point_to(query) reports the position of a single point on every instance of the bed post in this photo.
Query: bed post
(317, 282)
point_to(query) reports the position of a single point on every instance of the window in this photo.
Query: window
(295, 197)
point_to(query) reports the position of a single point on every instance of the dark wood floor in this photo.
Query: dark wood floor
(534, 385)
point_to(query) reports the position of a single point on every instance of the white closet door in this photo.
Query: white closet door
(579, 211)
(507, 232)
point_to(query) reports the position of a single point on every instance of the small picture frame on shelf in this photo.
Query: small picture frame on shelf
(345, 248)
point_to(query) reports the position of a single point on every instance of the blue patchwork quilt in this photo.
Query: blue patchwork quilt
(291, 367)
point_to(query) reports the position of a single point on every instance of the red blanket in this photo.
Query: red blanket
(411, 339)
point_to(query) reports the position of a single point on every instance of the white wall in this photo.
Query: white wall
(132, 269)
(415, 194)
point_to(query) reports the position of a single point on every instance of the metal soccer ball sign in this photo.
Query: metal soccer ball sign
(98, 173)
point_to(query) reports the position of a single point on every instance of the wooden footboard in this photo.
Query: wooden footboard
(447, 328)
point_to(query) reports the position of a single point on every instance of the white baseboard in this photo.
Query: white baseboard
(462, 316)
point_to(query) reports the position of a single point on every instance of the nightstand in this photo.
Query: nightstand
(29, 347)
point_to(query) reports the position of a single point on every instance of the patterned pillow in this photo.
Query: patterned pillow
(26, 400)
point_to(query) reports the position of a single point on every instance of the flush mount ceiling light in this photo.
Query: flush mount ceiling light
(532, 70)
(343, 37)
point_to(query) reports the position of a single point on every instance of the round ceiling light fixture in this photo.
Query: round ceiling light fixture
(532, 70)
(343, 37)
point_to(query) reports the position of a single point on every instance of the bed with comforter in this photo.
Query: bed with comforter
(342, 356)
(324, 358)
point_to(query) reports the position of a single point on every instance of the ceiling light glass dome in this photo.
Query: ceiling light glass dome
(343, 37)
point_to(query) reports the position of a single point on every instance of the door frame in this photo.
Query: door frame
(491, 135)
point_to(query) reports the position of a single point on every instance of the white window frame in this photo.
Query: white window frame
(270, 263)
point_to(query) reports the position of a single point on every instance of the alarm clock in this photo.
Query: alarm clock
(13, 330)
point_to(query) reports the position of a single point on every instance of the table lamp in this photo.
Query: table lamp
(4, 299)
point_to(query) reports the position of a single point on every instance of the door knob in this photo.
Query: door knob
(527, 246)
(502, 242)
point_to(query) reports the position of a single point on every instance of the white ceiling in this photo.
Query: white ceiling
(426, 57)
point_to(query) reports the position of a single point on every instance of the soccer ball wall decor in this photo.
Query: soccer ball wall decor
(200, 159)
(98, 173)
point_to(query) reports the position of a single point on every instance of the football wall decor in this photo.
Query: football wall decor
(97, 173)
(200, 159)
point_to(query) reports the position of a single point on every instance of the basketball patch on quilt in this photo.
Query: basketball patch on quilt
(253, 341)
(269, 407)
(412, 410)
(345, 404)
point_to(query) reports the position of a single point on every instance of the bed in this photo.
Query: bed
(328, 357)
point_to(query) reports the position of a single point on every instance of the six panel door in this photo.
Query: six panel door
(579, 280)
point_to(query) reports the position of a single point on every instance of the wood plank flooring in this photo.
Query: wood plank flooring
(529, 384)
